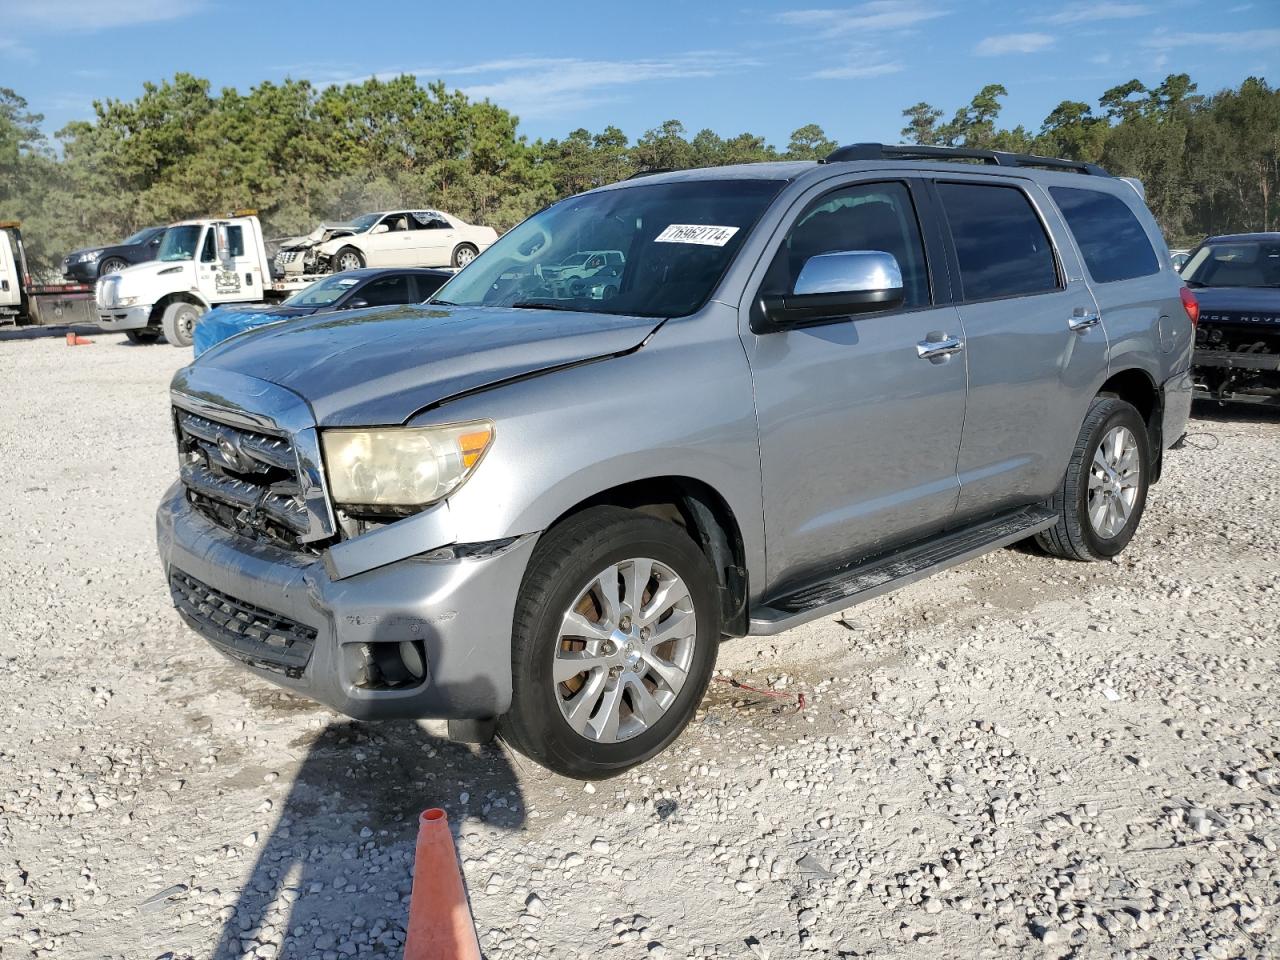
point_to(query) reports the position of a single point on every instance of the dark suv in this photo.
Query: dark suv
(1236, 280)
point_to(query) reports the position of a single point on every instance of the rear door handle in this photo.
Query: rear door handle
(934, 349)
(1082, 321)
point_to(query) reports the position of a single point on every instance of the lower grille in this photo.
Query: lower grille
(241, 630)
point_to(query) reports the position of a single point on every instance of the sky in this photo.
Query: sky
(762, 67)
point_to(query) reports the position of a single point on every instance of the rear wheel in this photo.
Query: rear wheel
(179, 323)
(144, 335)
(111, 265)
(348, 258)
(463, 254)
(1104, 492)
(614, 641)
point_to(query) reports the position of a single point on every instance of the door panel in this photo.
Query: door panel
(858, 433)
(1031, 375)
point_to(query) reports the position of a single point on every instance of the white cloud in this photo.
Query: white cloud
(857, 71)
(1013, 43)
(92, 15)
(1100, 11)
(1227, 42)
(873, 15)
(549, 86)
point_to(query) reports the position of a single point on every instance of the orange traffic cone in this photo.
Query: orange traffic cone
(440, 924)
(75, 340)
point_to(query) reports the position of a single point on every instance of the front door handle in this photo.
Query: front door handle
(936, 349)
(1081, 321)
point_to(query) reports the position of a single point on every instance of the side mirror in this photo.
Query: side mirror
(222, 242)
(380, 228)
(155, 241)
(832, 286)
(356, 303)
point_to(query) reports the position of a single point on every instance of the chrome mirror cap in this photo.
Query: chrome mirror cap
(849, 271)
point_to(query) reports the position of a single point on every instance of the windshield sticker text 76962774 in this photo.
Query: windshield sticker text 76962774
(707, 236)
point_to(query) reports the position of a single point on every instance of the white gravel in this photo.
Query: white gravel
(1021, 755)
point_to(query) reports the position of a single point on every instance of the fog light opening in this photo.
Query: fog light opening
(392, 665)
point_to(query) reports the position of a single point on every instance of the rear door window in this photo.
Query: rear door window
(1111, 240)
(385, 290)
(1000, 242)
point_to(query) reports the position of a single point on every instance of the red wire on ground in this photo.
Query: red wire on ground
(771, 694)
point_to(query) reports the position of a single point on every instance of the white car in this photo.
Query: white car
(394, 238)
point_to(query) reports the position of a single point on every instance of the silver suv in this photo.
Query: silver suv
(540, 509)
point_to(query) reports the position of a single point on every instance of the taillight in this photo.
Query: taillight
(1191, 305)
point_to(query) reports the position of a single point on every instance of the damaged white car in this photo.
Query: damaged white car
(396, 238)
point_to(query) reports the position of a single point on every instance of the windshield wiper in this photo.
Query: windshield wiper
(541, 305)
(433, 302)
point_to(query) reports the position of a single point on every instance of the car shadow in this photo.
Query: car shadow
(1224, 411)
(41, 332)
(336, 871)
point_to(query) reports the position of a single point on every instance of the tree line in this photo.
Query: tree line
(300, 154)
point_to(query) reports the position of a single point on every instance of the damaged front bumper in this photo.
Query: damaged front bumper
(327, 626)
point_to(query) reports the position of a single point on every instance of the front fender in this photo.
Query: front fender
(680, 406)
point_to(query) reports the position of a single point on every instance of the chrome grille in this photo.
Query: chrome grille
(286, 256)
(243, 480)
(106, 291)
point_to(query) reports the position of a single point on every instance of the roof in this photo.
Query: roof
(1239, 237)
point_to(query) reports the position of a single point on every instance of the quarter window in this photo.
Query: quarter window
(999, 240)
(1111, 240)
(873, 216)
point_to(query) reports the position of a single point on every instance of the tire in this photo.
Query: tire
(563, 579)
(179, 323)
(112, 265)
(144, 335)
(1098, 516)
(348, 258)
(463, 254)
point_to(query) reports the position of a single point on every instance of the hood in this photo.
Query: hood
(75, 253)
(326, 231)
(382, 365)
(128, 280)
(1245, 299)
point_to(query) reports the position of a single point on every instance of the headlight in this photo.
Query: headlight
(403, 467)
(89, 257)
(126, 301)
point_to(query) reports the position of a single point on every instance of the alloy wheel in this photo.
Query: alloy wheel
(624, 651)
(1113, 482)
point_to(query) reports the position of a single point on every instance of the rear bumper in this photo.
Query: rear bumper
(124, 318)
(460, 610)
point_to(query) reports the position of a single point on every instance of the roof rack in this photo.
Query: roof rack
(881, 151)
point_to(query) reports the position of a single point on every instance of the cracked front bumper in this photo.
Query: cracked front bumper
(461, 611)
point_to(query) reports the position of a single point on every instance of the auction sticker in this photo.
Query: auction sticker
(707, 236)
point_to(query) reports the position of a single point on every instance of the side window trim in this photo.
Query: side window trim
(939, 294)
(953, 258)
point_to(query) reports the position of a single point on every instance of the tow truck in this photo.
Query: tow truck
(201, 264)
(23, 301)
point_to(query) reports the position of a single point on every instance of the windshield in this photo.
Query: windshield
(673, 242)
(322, 292)
(142, 236)
(180, 243)
(1234, 263)
(361, 224)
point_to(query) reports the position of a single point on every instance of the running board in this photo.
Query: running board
(880, 575)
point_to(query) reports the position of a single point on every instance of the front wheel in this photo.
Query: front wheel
(111, 265)
(179, 323)
(614, 640)
(463, 254)
(348, 258)
(1105, 490)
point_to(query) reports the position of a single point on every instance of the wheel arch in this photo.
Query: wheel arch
(1135, 386)
(705, 515)
(182, 296)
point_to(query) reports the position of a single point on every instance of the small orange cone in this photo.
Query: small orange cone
(440, 924)
(75, 340)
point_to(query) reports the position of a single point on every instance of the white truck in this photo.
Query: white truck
(24, 301)
(200, 265)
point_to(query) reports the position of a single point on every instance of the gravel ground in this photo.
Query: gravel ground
(1021, 755)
